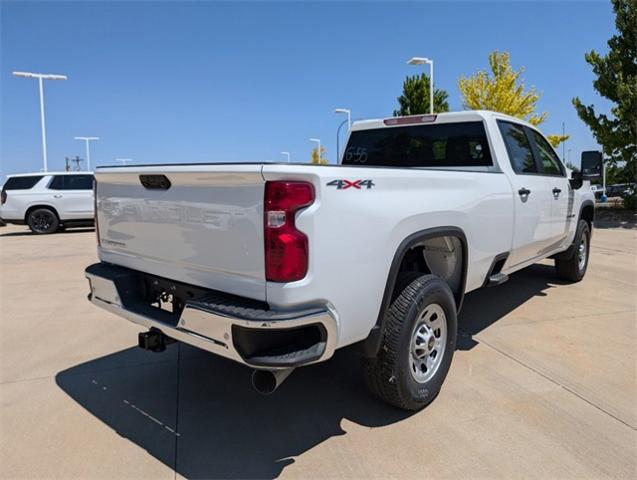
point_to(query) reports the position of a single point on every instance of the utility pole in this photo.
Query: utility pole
(77, 161)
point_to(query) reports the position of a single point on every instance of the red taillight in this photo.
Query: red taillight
(97, 227)
(3, 197)
(286, 248)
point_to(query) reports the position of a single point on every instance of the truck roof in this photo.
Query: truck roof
(446, 117)
(30, 174)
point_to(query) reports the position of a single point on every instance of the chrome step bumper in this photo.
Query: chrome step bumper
(220, 327)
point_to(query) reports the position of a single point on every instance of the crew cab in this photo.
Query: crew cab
(48, 201)
(276, 266)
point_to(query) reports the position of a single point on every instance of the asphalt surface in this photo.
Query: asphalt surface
(544, 384)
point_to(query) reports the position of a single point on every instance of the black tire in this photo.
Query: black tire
(403, 281)
(573, 269)
(42, 221)
(389, 375)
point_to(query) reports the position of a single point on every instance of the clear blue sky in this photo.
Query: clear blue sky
(212, 81)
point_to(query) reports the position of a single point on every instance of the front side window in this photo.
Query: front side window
(22, 183)
(72, 182)
(518, 147)
(549, 160)
(461, 144)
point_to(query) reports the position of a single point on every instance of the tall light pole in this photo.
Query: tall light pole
(422, 61)
(40, 77)
(287, 154)
(123, 161)
(349, 116)
(564, 142)
(88, 150)
(338, 130)
(318, 143)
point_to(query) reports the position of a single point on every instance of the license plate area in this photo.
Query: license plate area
(167, 298)
(154, 297)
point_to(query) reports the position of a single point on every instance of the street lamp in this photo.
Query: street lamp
(287, 154)
(123, 161)
(338, 130)
(422, 61)
(318, 143)
(40, 77)
(88, 150)
(349, 116)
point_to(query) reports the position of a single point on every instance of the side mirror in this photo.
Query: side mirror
(592, 166)
(576, 180)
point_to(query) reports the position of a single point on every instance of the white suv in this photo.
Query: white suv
(48, 201)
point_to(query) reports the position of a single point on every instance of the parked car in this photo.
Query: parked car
(619, 189)
(276, 266)
(2, 223)
(47, 202)
(597, 190)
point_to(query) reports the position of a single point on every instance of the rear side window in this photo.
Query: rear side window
(21, 183)
(549, 160)
(518, 147)
(462, 144)
(72, 182)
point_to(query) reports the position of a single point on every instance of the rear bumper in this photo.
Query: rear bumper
(234, 328)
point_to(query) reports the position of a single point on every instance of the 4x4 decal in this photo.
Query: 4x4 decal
(345, 184)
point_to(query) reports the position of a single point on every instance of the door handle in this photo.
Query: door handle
(556, 191)
(524, 192)
(57, 195)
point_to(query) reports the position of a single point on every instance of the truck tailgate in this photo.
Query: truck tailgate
(205, 229)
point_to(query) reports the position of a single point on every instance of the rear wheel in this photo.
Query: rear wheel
(418, 345)
(42, 221)
(573, 269)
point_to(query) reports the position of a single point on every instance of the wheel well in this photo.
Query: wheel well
(441, 251)
(588, 213)
(442, 256)
(35, 207)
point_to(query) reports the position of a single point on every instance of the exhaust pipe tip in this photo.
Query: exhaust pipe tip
(267, 381)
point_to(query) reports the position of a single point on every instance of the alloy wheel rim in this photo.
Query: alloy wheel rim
(42, 222)
(582, 252)
(428, 343)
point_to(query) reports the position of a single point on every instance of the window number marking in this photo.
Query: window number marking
(356, 154)
(345, 184)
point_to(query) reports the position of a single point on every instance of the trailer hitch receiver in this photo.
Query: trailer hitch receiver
(153, 340)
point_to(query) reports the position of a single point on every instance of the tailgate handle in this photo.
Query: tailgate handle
(155, 182)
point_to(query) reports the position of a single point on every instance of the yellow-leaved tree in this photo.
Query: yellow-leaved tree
(315, 156)
(503, 91)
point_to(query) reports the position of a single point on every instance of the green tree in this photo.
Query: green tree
(315, 156)
(617, 81)
(503, 91)
(415, 97)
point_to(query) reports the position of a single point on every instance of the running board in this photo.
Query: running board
(497, 279)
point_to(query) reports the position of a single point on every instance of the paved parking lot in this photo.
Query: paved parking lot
(544, 384)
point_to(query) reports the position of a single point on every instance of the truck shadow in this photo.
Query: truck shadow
(29, 233)
(486, 306)
(198, 414)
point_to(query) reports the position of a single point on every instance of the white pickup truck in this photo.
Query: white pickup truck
(276, 266)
